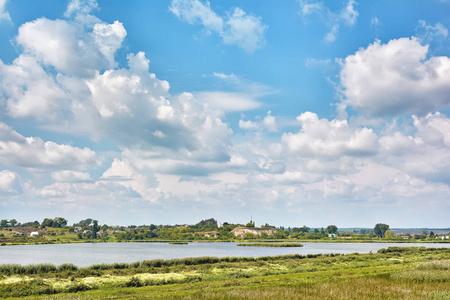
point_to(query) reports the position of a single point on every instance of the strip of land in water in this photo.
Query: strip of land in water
(280, 245)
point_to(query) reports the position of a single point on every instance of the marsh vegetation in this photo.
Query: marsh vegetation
(393, 273)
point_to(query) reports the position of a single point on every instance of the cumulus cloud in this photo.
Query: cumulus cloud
(73, 80)
(34, 153)
(333, 19)
(69, 48)
(268, 123)
(71, 176)
(9, 182)
(426, 153)
(30, 91)
(237, 28)
(135, 111)
(329, 139)
(395, 78)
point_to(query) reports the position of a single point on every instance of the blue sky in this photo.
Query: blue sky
(294, 113)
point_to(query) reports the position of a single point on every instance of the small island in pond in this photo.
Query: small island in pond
(281, 245)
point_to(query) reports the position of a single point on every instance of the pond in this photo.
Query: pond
(86, 254)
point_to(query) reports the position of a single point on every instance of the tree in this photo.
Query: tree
(4, 223)
(47, 223)
(13, 222)
(389, 234)
(95, 229)
(59, 222)
(85, 223)
(250, 224)
(304, 229)
(380, 229)
(331, 229)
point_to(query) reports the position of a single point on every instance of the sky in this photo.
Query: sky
(290, 113)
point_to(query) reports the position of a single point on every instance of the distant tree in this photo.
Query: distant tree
(431, 234)
(47, 223)
(95, 229)
(316, 230)
(304, 229)
(389, 234)
(380, 229)
(331, 229)
(13, 222)
(85, 223)
(424, 232)
(59, 222)
(250, 224)
(4, 223)
(211, 221)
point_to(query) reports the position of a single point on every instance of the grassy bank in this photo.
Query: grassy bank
(405, 273)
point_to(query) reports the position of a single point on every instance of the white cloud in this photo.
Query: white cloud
(329, 139)
(238, 28)
(375, 21)
(109, 38)
(35, 154)
(123, 174)
(4, 14)
(249, 125)
(80, 7)
(395, 78)
(427, 33)
(67, 48)
(64, 83)
(340, 188)
(268, 123)
(229, 101)
(70, 176)
(347, 15)
(330, 37)
(9, 182)
(424, 154)
(245, 31)
(133, 105)
(30, 91)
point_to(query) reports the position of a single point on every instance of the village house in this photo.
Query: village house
(34, 233)
(241, 231)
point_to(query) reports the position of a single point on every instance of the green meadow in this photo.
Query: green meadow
(393, 273)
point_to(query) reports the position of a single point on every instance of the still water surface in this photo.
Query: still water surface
(83, 255)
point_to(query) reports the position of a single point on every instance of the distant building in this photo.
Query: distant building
(241, 231)
(34, 233)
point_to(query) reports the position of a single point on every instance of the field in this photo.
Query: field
(393, 273)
